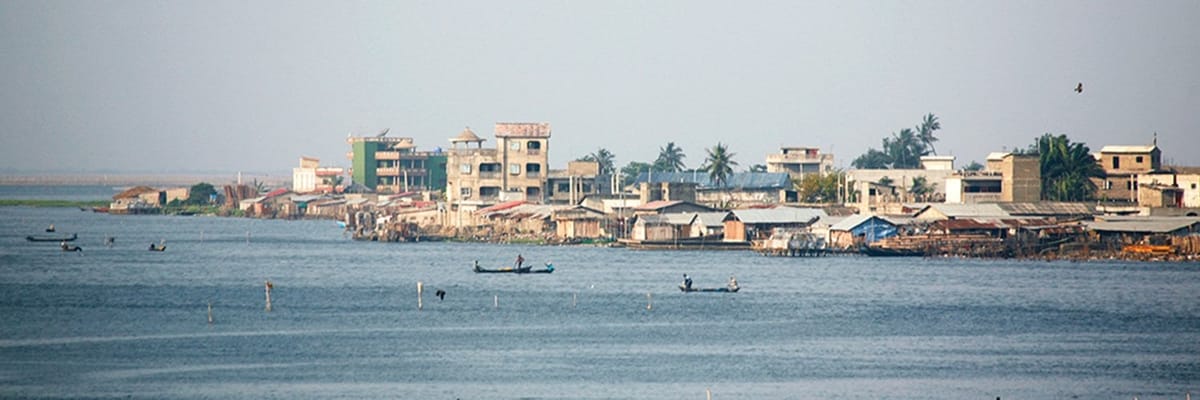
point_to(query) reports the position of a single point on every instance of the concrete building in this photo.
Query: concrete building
(799, 161)
(1007, 178)
(870, 188)
(1186, 179)
(1122, 165)
(517, 169)
(580, 179)
(310, 176)
(393, 164)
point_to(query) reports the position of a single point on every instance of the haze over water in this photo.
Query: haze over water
(122, 321)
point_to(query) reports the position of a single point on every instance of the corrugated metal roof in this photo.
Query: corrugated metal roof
(969, 210)
(854, 221)
(778, 215)
(1147, 225)
(739, 180)
(712, 218)
(1048, 208)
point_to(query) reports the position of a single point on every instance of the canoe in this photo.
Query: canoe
(891, 252)
(696, 289)
(71, 238)
(523, 270)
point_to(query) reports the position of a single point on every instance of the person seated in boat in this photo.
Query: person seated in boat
(63, 245)
(732, 283)
(477, 265)
(550, 267)
(152, 247)
(50, 228)
(687, 282)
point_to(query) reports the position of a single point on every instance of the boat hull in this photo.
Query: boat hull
(717, 290)
(52, 239)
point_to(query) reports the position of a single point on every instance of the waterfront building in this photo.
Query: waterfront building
(1184, 182)
(885, 190)
(310, 177)
(394, 165)
(580, 179)
(739, 188)
(1006, 178)
(1122, 165)
(517, 169)
(800, 161)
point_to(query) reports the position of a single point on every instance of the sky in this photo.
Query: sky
(225, 86)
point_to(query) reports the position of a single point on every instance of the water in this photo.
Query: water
(122, 321)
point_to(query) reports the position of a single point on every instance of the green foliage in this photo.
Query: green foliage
(903, 150)
(670, 159)
(603, 157)
(886, 181)
(630, 171)
(758, 168)
(921, 188)
(200, 193)
(1066, 169)
(974, 166)
(818, 188)
(719, 164)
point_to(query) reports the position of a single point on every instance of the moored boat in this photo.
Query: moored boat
(71, 238)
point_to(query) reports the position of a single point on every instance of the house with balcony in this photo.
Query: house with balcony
(800, 161)
(310, 177)
(1122, 165)
(394, 165)
(579, 180)
(1007, 178)
(517, 169)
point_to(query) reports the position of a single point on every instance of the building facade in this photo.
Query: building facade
(310, 176)
(799, 161)
(517, 169)
(1122, 165)
(393, 164)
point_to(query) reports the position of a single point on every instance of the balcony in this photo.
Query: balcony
(387, 155)
(489, 175)
(533, 152)
(387, 171)
(798, 158)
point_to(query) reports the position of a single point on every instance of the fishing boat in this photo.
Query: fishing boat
(698, 289)
(70, 247)
(879, 251)
(158, 247)
(512, 270)
(71, 238)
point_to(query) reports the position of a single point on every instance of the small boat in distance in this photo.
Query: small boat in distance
(70, 247)
(158, 247)
(71, 238)
(513, 270)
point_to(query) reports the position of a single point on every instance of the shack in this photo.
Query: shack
(758, 223)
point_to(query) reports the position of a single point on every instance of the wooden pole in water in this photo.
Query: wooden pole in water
(649, 301)
(574, 299)
(210, 320)
(269, 286)
(708, 393)
(420, 290)
(496, 301)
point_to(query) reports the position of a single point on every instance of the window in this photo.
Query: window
(464, 168)
(465, 192)
(564, 187)
(533, 145)
(514, 169)
(1107, 185)
(515, 145)
(1193, 186)
(1139, 159)
(1116, 162)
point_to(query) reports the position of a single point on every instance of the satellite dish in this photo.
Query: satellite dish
(383, 132)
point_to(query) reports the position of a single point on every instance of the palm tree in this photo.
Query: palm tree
(925, 131)
(1067, 169)
(670, 159)
(719, 164)
(905, 149)
(603, 157)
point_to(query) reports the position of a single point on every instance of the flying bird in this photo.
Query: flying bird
(1079, 88)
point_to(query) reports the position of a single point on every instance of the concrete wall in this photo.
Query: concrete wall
(1021, 178)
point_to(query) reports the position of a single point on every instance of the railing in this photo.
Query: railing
(489, 175)
(387, 155)
(533, 174)
(387, 171)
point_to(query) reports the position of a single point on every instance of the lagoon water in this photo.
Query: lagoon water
(124, 322)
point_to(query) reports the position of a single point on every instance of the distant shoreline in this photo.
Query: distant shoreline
(139, 179)
(52, 203)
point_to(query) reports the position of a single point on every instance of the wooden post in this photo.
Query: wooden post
(708, 393)
(574, 299)
(210, 319)
(649, 301)
(420, 290)
(496, 301)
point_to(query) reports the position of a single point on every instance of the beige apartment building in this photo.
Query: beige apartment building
(798, 161)
(515, 170)
(1122, 165)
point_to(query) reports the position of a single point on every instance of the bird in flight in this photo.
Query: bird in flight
(1079, 88)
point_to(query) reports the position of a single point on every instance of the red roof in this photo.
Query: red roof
(501, 207)
(276, 192)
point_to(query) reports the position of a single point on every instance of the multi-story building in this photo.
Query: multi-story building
(798, 161)
(516, 169)
(1122, 165)
(580, 179)
(393, 164)
(310, 176)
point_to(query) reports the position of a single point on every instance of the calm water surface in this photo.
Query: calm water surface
(124, 322)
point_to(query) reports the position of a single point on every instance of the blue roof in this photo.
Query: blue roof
(737, 180)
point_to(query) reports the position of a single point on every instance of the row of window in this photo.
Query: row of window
(513, 169)
(492, 191)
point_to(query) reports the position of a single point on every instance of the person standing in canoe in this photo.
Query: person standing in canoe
(520, 260)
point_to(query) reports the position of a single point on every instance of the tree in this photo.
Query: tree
(1067, 169)
(631, 171)
(886, 181)
(818, 188)
(973, 166)
(925, 131)
(872, 159)
(200, 193)
(758, 168)
(603, 157)
(921, 188)
(719, 164)
(670, 159)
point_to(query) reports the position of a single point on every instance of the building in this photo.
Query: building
(310, 176)
(799, 161)
(393, 164)
(738, 188)
(1122, 165)
(760, 223)
(1186, 179)
(1007, 178)
(871, 188)
(517, 169)
(580, 179)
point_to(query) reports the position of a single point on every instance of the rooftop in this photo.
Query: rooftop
(1128, 149)
(523, 129)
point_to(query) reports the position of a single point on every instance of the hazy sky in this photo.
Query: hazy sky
(176, 86)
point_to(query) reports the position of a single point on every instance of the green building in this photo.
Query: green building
(393, 165)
